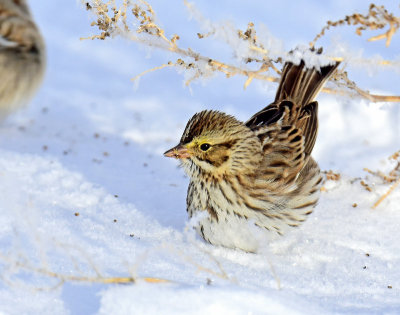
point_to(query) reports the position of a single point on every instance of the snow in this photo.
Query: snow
(85, 190)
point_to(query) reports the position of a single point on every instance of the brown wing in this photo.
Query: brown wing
(290, 115)
(287, 140)
(308, 124)
(284, 151)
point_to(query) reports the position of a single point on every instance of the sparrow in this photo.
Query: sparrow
(255, 178)
(22, 56)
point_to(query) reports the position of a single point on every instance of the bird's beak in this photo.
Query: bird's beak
(178, 152)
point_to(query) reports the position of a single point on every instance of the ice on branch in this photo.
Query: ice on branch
(256, 57)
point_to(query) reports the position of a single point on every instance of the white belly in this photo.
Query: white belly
(233, 232)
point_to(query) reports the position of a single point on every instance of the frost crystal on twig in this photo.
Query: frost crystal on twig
(137, 21)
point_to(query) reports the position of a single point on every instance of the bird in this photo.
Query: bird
(22, 56)
(253, 181)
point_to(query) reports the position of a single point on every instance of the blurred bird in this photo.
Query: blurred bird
(258, 175)
(22, 56)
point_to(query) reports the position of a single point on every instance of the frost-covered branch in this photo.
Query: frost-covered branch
(257, 60)
(377, 18)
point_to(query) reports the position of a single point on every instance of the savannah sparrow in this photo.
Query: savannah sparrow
(22, 55)
(256, 176)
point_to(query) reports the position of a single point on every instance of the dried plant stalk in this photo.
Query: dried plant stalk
(25, 264)
(105, 280)
(377, 18)
(392, 177)
(383, 197)
(116, 22)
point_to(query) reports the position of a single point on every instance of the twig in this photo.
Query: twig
(377, 18)
(104, 280)
(386, 194)
(152, 69)
(96, 279)
(112, 21)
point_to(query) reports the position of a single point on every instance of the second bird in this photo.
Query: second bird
(22, 56)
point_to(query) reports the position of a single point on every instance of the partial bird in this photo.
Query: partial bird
(22, 56)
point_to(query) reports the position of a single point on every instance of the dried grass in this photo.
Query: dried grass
(330, 175)
(377, 18)
(137, 21)
(392, 177)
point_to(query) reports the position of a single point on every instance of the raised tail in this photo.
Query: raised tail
(300, 84)
(294, 103)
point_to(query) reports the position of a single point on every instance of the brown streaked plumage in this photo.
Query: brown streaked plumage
(258, 176)
(22, 55)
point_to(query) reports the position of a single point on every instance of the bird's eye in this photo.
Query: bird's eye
(205, 147)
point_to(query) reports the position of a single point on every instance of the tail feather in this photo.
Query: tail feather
(294, 103)
(300, 84)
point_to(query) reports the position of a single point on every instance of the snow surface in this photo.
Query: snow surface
(85, 189)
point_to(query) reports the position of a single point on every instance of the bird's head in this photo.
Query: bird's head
(218, 144)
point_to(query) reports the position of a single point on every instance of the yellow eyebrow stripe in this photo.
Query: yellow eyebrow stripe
(198, 142)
